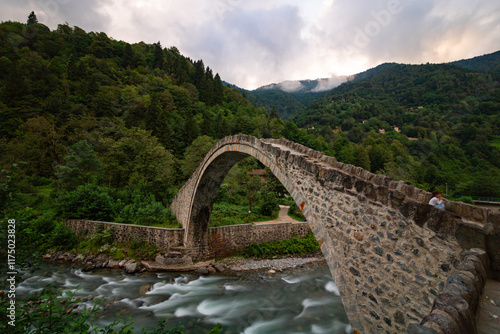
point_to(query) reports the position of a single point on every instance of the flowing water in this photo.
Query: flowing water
(303, 300)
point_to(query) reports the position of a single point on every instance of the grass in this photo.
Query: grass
(293, 246)
(224, 214)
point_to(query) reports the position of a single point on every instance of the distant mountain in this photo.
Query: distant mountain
(390, 91)
(290, 98)
(371, 72)
(489, 63)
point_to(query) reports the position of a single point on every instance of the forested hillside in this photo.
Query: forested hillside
(91, 127)
(431, 125)
(489, 63)
(95, 128)
(287, 104)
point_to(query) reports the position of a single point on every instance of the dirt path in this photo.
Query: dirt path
(283, 217)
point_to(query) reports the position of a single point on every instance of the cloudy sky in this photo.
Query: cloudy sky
(252, 43)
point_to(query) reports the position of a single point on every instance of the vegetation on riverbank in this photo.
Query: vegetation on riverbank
(293, 246)
(51, 311)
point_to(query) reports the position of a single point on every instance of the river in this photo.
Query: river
(300, 300)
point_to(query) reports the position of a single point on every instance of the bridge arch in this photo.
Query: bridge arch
(389, 252)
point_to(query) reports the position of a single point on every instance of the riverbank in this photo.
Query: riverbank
(176, 262)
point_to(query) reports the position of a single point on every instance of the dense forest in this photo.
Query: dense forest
(434, 125)
(95, 128)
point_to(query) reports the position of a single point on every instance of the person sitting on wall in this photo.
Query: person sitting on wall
(437, 200)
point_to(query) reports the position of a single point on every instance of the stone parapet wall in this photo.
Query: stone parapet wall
(163, 238)
(466, 211)
(453, 310)
(226, 240)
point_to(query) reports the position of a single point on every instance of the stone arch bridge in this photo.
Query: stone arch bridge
(390, 253)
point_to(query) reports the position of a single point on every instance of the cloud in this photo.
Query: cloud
(291, 86)
(253, 43)
(328, 84)
(85, 14)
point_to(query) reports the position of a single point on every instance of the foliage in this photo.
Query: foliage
(224, 214)
(195, 154)
(292, 246)
(446, 117)
(49, 311)
(294, 213)
(88, 201)
(143, 209)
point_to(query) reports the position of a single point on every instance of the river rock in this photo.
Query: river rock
(122, 263)
(132, 268)
(272, 271)
(113, 264)
(211, 270)
(88, 267)
(144, 289)
(219, 267)
(174, 260)
(202, 272)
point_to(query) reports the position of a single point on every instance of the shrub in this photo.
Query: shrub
(294, 213)
(62, 238)
(143, 209)
(268, 203)
(89, 201)
(292, 246)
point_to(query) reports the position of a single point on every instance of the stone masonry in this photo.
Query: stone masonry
(390, 253)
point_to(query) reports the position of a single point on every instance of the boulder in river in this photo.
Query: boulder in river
(133, 267)
(202, 271)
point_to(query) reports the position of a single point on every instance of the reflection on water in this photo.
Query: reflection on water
(297, 301)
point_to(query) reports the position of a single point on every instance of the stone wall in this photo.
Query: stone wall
(453, 310)
(226, 240)
(163, 238)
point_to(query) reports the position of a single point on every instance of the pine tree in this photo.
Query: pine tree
(128, 56)
(274, 113)
(158, 56)
(32, 18)
(218, 90)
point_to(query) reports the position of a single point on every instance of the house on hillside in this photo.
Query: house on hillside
(381, 130)
(259, 172)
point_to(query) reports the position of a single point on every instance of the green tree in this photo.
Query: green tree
(128, 56)
(195, 154)
(158, 56)
(39, 145)
(32, 18)
(218, 97)
(136, 157)
(81, 164)
(361, 157)
(379, 157)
